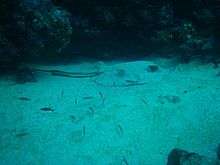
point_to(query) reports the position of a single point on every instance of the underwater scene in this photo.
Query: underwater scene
(118, 82)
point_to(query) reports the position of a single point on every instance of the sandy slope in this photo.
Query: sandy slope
(126, 115)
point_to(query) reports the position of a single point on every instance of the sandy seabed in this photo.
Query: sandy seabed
(127, 115)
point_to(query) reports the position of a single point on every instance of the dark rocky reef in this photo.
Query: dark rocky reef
(25, 75)
(218, 151)
(182, 157)
(33, 28)
(110, 29)
(20, 74)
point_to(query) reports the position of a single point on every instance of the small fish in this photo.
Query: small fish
(102, 97)
(21, 134)
(24, 98)
(125, 161)
(75, 101)
(91, 111)
(144, 101)
(84, 131)
(88, 97)
(119, 130)
(132, 81)
(62, 93)
(48, 109)
(73, 118)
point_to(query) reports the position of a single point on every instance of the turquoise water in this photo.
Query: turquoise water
(126, 115)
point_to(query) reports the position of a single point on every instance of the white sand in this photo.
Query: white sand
(100, 121)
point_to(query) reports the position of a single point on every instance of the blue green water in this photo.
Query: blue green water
(126, 115)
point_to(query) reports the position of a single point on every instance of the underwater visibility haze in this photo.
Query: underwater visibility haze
(118, 82)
